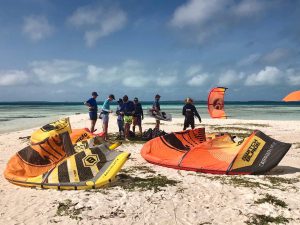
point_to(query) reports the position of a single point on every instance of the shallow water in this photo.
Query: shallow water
(17, 116)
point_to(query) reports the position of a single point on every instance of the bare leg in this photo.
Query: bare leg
(141, 130)
(105, 128)
(93, 123)
(127, 128)
(157, 124)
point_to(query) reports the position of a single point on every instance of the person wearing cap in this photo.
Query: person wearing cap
(138, 115)
(105, 114)
(156, 109)
(128, 111)
(120, 118)
(93, 110)
(189, 111)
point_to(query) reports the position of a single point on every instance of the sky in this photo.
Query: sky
(59, 50)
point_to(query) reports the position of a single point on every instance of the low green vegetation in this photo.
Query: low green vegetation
(134, 169)
(156, 183)
(258, 219)
(273, 200)
(277, 181)
(135, 140)
(251, 124)
(67, 208)
(238, 181)
(242, 181)
(296, 145)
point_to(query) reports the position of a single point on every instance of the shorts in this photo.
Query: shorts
(128, 119)
(93, 115)
(137, 120)
(105, 118)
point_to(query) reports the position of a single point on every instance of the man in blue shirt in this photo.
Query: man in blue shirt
(93, 110)
(128, 111)
(105, 114)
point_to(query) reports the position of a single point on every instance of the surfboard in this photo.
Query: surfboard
(160, 116)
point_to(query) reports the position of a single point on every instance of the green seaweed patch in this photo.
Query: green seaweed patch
(238, 181)
(133, 140)
(271, 199)
(236, 129)
(134, 169)
(281, 180)
(296, 145)
(251, 124)
(67, 208)
(258, 219)
(132, 183)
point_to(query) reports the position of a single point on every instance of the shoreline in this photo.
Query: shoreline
(168, 196)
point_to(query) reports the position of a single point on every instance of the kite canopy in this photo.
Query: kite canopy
(54, 162)
(215, 103)
(292, 97)
(189, 150)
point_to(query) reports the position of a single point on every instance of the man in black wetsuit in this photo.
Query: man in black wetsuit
(190, 111)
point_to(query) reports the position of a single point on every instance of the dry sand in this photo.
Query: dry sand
(188, 198)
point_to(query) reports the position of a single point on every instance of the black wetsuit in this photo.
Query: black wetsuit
(190, 111)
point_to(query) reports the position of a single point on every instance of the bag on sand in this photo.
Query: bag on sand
(152, 133)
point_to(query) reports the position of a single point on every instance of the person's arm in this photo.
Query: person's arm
(142, 111)
(88, 104)
(196, 113)
(183, 110)
(104, 107)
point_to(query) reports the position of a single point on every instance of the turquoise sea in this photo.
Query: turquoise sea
(22, 115)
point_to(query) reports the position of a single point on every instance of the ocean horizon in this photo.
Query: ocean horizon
(16, 116)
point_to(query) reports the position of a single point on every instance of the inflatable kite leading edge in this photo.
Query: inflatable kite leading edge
(189, 150)
(215, 103)
(292, 97)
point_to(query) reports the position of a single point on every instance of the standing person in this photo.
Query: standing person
(105, 114)
(120, 118)
(156, 109)
(93, 110)
(189, 111)
(138, 115)
(128, 110)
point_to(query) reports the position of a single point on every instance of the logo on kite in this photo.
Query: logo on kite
(215, 103)
(90, 160)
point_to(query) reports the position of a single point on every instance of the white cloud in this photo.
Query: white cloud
(98, 21)
(249, 7)
(136, 81)
(276, 55)
(202, 19)
(37, 27)
(196, 12)
(57, 71)
(229, 78)
(13, 77)
(166, 81)
(193, 70)
(267, 76)
(251, 59)
(198, 80)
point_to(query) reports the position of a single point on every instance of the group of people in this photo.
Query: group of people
(131, 113)
(128, 113)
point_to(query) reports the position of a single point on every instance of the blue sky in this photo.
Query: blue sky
(62, 50)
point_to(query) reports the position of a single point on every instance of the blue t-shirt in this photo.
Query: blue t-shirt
(128, 108)
(93, 103)
(106, 106)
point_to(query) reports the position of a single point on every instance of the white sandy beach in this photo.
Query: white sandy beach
(195, 199)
